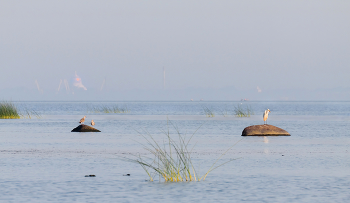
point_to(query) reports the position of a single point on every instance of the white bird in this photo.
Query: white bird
(266, 115)
(92, 122)
(82, 120)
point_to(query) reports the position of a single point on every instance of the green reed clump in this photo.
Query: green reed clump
(108, 109)
(8, 111)
(239, 111)
(208, 112)
(171, 160)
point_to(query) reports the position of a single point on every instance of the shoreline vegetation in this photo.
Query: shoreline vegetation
(9, 110)
(238, 111)
(172, 158)
(208, 112)
(107, 109)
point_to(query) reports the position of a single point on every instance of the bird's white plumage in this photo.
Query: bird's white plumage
(266, 115)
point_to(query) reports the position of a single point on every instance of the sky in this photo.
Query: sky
(216, 50)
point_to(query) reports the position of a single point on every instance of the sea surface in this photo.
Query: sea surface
(41, 160)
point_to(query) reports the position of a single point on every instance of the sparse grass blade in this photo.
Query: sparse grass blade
(239, 111)
(208, 112)
(172, 159)
(9, 110)
(107, 109)
(213, 167)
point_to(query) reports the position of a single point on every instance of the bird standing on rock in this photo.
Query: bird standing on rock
(266, 115)
(92, 122)
(82, 120)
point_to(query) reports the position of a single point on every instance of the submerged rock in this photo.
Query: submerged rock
(85, 128)
(264, 130)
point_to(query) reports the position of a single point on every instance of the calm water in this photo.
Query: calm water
(41, 160)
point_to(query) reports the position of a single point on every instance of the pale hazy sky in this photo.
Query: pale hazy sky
(245, 44)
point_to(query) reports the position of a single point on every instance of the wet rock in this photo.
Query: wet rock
(264, 130)
(85, 128)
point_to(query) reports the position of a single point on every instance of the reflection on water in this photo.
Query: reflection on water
(266, 150)
(266, 140)
(41, 160)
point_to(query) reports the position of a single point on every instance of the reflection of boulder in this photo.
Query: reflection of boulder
(85, 128)
(264, 130)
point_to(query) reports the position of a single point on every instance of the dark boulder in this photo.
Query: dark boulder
(264, 130)
(85, 128)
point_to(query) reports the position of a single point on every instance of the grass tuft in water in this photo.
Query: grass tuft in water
(8, 111)
(171, 160)
(239, 111)
(108, 109)
(208, 112)
(30, 113)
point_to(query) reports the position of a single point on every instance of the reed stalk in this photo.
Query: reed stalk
(225, 112)
(208, 112)
(107, 109)
(239, 111)
(172, 159)
(8, 110)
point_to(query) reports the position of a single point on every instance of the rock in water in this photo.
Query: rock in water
(85, 128)
(264, 130)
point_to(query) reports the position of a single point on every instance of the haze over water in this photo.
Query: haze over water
(227, 50)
